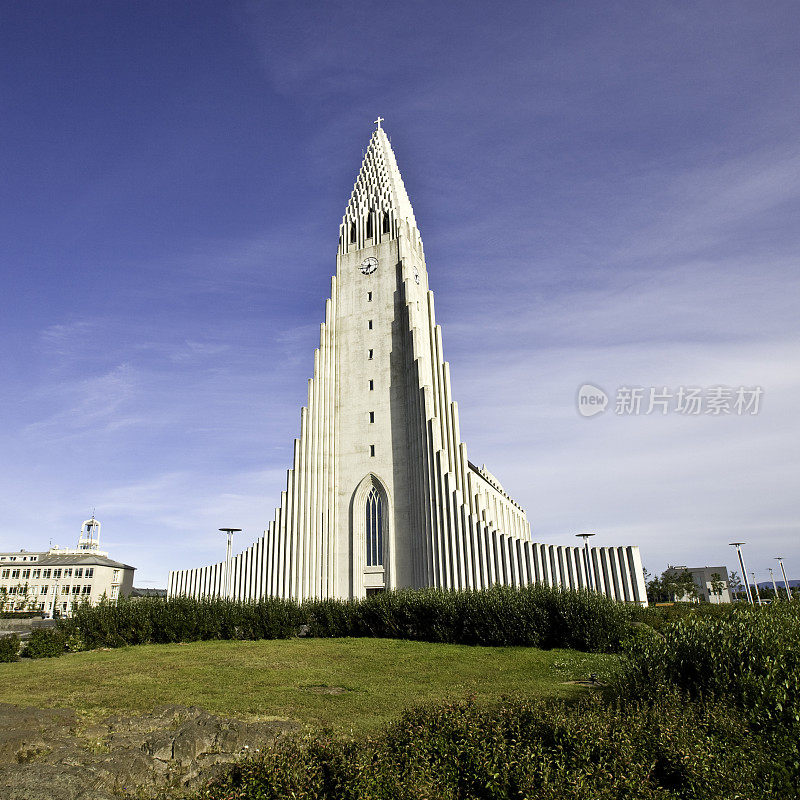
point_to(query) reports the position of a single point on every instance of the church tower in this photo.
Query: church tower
(381, 494)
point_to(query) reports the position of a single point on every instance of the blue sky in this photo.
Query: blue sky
(609, 193)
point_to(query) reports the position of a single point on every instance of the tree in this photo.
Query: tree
(717, 584)
(686, 587)
(735, 582)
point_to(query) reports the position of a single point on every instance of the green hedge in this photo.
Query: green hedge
(9, 648)
(749, 657)
(532, 616)
(45, 643)
(591, 750)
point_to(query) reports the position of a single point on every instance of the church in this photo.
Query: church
(381, 494)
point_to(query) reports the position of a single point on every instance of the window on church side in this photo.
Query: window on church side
(369, 297)
(370, 354)
(369, 324)
(372, 386)
(386, 222)
(372, 416)
(369, 225)
(374, 520)
(352, 233)
(372, 451)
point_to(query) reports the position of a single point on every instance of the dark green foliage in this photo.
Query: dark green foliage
(553, 751)
(45, 643)
(748, 657)
(533, 616)
(181, 619)
(661, 617)
(9, 648)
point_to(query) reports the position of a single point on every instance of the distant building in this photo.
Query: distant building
(60, 578)
(138, 593)
(704, 579)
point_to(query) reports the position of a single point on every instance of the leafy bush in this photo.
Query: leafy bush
(748, 658)
(523, 749)
(9, 648)
(45, 643)
(534, 616)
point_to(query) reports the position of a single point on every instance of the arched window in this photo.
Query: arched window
(369, 225)
(386, 222)
(374, 510)
(352, 233)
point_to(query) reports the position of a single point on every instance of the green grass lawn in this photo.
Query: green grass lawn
(349, 684)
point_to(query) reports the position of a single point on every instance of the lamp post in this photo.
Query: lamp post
(230, 532)
(590, 581)
(779, 559)
(738, 546)
(774, 585)
(755, 586)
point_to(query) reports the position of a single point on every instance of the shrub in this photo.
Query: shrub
(9, 648)
(45, 643)
(154, 620)
(551, 750)
(531, 616)
(748, 659)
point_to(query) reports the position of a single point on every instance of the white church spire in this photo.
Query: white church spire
(379, 203)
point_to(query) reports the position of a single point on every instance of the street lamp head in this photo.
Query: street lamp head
(585, 535)
(736, 544)
(230, 530)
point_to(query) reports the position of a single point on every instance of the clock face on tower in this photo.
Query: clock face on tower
(369, 265)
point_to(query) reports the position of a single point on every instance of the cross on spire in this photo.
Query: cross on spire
(378, 122)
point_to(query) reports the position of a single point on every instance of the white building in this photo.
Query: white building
(712, 583)
(381, 494)
(60, 578)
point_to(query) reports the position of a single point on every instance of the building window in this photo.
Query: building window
(369, 324)
(76, 589)
(45, 573)
(114, 592)
(37, 573)
(386, 222)
(352, 233)
(26, 573)
(372, 386)
(374, 521)
(86, 590)
(372, 416)
(44, 589)
(68, 572)
(89, 572)
(115, 579)
(369, 225)
(369, 297)
(372, 450)
(6, 573)
(15, 573)
(56, 573)
(79, 572)
(370, 354)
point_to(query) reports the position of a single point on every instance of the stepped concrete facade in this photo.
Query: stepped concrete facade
(381, 494)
